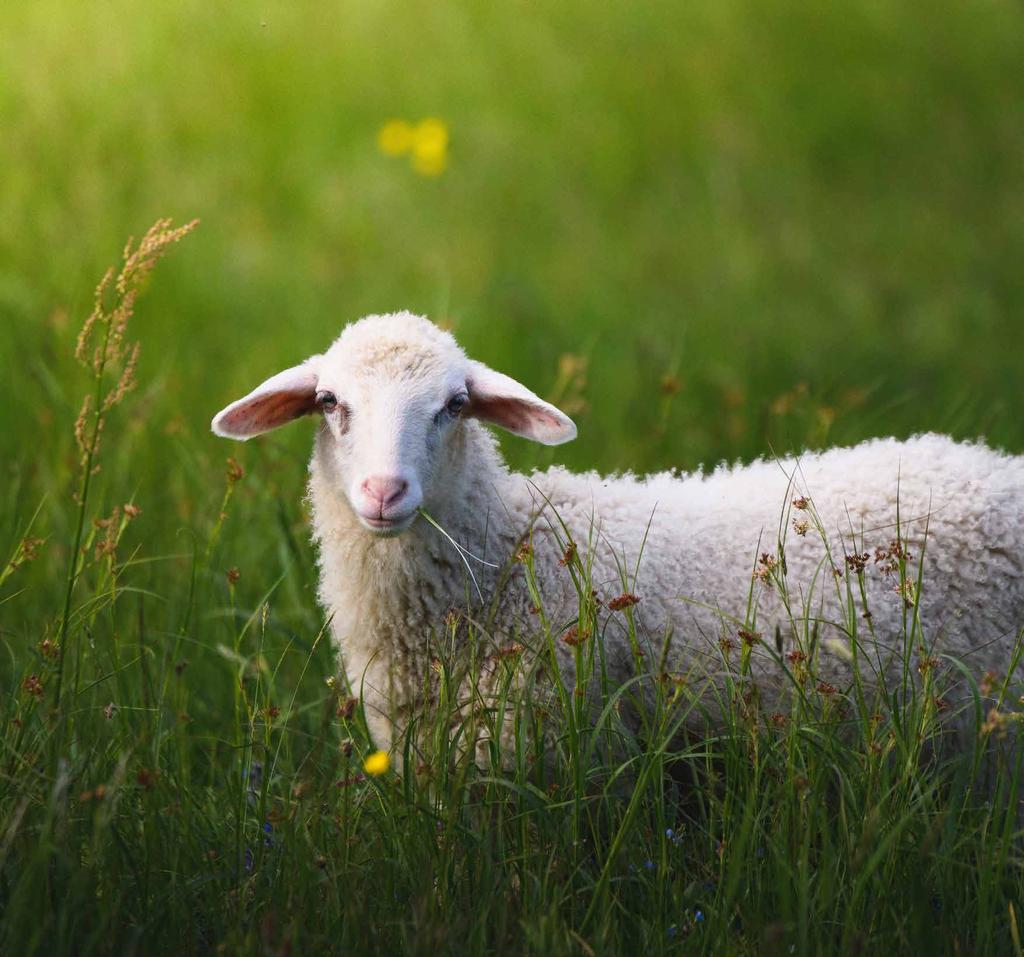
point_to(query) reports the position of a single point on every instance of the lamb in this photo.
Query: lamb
(402, 453)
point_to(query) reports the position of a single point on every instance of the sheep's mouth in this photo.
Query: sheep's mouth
(388, 526)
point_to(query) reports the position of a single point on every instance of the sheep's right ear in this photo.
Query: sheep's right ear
(495, 397)
(283, 397)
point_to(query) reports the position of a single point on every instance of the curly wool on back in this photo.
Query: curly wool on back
(705, 546)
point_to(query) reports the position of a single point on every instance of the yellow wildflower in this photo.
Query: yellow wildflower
(377, 763)
(426, 141)
(430, 137)
(395, 137)
(430, 147)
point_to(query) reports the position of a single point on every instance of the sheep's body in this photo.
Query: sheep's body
(400, 403)
(697, 539)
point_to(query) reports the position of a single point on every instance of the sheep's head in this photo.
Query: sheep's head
(393, 391)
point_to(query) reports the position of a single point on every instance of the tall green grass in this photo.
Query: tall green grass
(184, 773)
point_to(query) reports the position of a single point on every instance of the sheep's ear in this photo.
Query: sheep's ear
(497, 398)
(286, 396)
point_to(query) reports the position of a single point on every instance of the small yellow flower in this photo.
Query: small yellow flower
(377, 763)
(330, 681)
(430, 137)
(395, 137)
(430, 147)
(425, 141)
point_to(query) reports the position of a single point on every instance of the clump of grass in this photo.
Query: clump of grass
(110, 357)
(203, 783)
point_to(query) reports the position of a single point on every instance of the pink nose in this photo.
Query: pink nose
(385, 491)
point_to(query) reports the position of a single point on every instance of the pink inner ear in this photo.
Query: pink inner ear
(268, 411)
(515, 415)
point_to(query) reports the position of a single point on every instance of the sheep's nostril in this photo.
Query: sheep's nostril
(385, 491)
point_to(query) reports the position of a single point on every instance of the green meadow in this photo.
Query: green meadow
(710, 230)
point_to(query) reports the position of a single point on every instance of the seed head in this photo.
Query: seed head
(625, 600)
(49, 649)
(670, 385)
(765, 570)
(33, 686)
(907, 590)
(856, 563)
(235, 473)
(576, 636)
(346, 708)
(28, 549)
(997, 722)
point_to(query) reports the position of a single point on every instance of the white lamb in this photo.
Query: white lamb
(401, 410)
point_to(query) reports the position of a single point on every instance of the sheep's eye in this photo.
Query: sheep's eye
(457, 403)
(327, 401)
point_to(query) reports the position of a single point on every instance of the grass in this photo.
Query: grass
(708, 230)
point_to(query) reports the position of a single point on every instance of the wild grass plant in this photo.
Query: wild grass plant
(184, 773)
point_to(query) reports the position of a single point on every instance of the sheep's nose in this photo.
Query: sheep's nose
(384, 490)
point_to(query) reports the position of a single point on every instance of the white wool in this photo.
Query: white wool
(694, 540)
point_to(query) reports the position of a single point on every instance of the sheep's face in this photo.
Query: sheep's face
(392, 392)
(388, 430)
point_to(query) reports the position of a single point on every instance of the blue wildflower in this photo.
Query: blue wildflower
(673, 930)
(698, 916)
(649, 864)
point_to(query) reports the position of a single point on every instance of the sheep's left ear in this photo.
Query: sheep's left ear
(497, 398)
(283, 397)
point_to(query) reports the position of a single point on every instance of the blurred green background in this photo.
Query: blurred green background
(709, 229)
